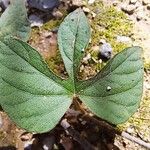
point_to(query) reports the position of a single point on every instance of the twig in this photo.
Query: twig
(105, 125)
(76, 135)
(136, 140)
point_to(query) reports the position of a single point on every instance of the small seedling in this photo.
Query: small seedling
(36, 99)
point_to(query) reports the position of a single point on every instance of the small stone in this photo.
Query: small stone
(85, 59)
(147, 86)
(93, 15)
(35, 21)
(57, 14)
(129, 9)
(148, 6)
(65, 124)
(4, 4)
(77, 3)
(130, 130)
(44, 5)
(123, 39)
(133, 1)
(115, 3)
(105, 51)
(91, 2)
(86, 10)
(102, 41)
(145, 2)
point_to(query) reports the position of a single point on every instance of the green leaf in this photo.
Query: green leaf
(73, 38)
(30, 93)
(115, 93)
(14, 21)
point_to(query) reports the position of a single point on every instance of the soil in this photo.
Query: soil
(85, 132)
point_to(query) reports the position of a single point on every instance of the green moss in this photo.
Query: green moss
(146, 65)
(1, 135)
(140, 120)
(56, 63)
(51, 24)
(107, 24)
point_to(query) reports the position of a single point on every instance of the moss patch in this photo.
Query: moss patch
(107, 24)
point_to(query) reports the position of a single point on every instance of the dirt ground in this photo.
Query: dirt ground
(86, 132)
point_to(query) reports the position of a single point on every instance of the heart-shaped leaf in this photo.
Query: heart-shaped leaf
(14, 21)
(115, 93)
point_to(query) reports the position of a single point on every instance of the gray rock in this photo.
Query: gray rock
(35, 21)
(105, 51)
(44, 5)
(4, 4)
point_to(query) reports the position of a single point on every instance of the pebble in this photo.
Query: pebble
(57, 14)
(130, 130)
(85, 59)
(35, 21)
(77, 3)
(147, 86)
(123, 39)
(86, 10)
(115, 2)
(102, 41)
(4, 3)
(105, 51)
(44, 5)
(91, 2)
